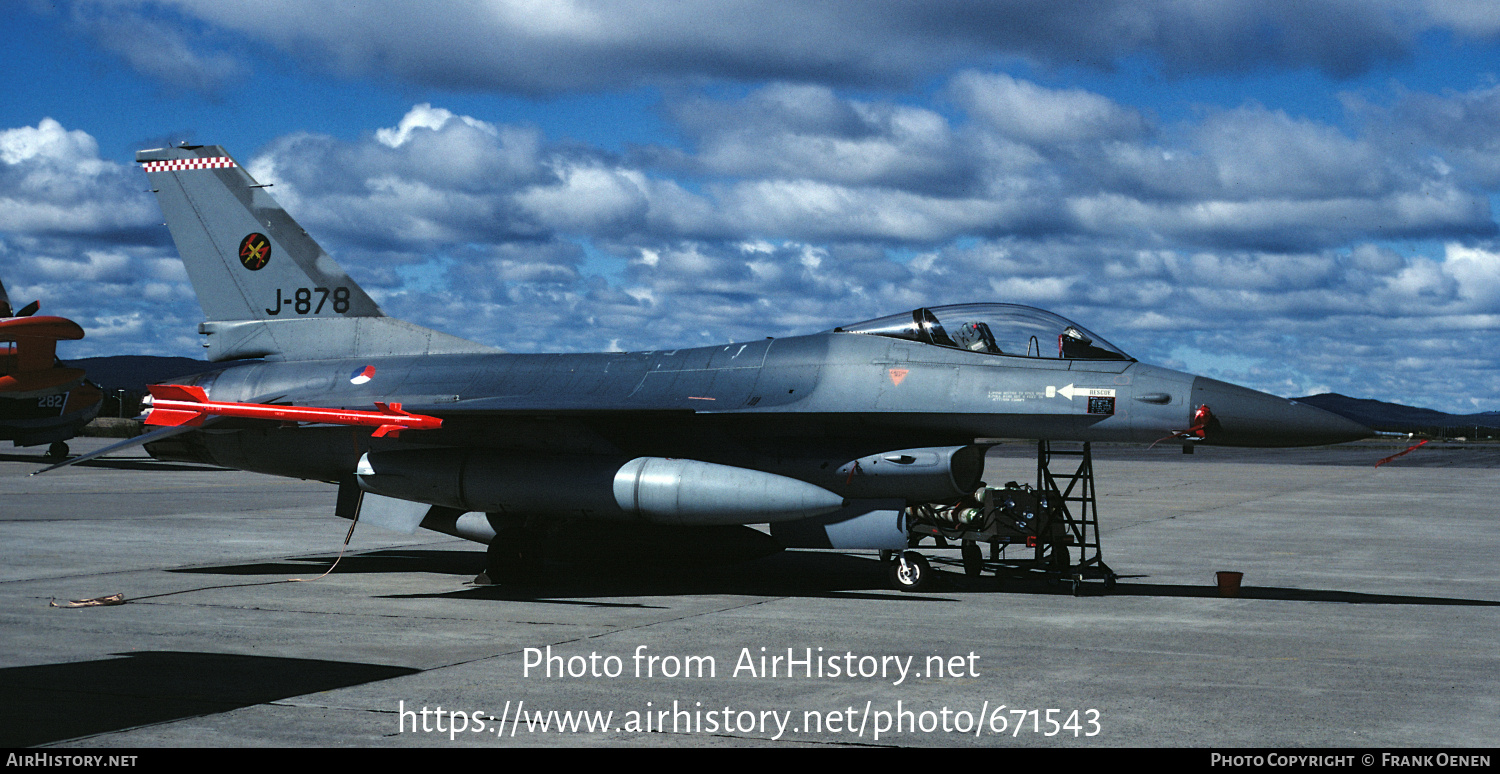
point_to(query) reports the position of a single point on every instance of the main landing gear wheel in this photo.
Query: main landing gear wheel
(57, 452)
(910, 571)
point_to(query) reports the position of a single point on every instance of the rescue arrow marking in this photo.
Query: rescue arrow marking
(1069, 391)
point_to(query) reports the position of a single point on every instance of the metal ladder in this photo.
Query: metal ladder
(1082, 525)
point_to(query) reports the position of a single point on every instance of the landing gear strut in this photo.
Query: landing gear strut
(910, 571)
(515, 554)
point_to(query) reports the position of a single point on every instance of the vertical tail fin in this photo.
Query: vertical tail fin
(241, 249)
(267, 288)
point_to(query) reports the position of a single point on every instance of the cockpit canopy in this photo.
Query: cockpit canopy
(996, 329)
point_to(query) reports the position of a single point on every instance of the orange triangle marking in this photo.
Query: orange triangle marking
(897, 374)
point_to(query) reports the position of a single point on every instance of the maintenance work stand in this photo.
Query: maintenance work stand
(1031, 531)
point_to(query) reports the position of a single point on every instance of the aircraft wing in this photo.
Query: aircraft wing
(54, 328)
(532, 405)
(155, 435)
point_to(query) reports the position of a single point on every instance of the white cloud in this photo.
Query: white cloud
(545, 47)
(98, 266)
(53, 181)
(425, 116)
(49, 140)
(1469, 17)
(1465, 281)
(784, 131)
(1454, 134)
(1035, 115)
(589, 198)
(161, 51)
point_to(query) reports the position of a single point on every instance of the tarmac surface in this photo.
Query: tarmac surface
(1368, 618)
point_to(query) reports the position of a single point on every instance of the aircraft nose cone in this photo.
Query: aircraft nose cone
(1245, 417)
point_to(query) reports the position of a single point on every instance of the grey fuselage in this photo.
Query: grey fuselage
(833, 396)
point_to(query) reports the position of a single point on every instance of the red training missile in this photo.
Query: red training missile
(177, 405)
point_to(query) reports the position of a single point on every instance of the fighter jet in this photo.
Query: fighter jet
(41, 401)
(838, 430)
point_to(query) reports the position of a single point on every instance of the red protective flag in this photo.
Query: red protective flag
(1409, 450)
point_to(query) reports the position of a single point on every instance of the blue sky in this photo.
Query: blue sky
(1294, 196)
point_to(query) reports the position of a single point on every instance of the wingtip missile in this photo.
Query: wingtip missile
(177, 405)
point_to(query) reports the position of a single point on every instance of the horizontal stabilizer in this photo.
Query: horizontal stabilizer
(158, 434)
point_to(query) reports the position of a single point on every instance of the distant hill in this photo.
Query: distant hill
(134, 372)
(1394, 417)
